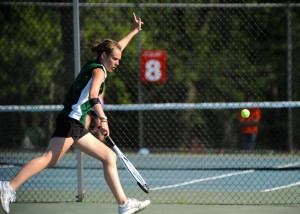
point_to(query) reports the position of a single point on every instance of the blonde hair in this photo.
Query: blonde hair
(107, 46)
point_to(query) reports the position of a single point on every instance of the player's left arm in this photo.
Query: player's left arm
(97, 80)
(136, 27)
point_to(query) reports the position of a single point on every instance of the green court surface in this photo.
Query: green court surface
(96, 208)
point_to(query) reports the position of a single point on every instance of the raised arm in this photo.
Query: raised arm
(137, 26)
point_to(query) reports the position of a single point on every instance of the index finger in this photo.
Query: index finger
(134, 16)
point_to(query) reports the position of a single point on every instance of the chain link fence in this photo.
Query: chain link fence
(179, 128)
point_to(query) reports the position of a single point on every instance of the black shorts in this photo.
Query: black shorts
(69, 127)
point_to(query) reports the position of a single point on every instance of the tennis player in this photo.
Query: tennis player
(70, 131)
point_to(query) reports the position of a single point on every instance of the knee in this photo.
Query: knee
(111, 158)
(49, 160)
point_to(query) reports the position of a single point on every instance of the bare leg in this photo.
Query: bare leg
(56, 149)
(93, 147)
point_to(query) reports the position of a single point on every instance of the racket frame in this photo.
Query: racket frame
(129, 166)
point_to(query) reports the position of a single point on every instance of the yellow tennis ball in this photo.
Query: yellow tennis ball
(245, 113)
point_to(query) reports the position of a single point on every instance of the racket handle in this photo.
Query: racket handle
(110, 141)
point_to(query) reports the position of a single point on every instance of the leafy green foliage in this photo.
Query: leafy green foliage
(213, 54)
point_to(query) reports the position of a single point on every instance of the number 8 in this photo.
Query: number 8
(153, 71)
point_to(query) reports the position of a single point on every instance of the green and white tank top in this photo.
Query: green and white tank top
(76, 103)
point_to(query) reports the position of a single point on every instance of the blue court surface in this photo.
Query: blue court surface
(174, 172)
(201, 178)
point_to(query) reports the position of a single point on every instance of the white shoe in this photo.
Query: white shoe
(8, 195)
(133, 206)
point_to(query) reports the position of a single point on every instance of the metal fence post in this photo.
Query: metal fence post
(289, 77)
(76, 71)
(140, 93)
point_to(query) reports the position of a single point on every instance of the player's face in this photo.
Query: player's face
(111, 61)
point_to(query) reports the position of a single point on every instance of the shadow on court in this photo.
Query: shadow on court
(96, 208)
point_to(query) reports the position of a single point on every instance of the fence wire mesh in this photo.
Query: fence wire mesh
(217, 54)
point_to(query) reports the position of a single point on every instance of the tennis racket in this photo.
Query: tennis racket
(128, 165)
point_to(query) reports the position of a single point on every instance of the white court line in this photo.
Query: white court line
(6, 166)
(281, 187)
(284, 186)
(203, 179)
(288, 165)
